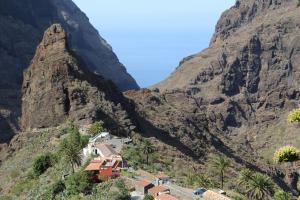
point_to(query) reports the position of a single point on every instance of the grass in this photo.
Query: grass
(21, 183)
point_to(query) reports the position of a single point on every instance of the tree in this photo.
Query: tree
(281, 195)
(78, 182)
(220, 164)
(147, 148)
(257, 186)
(41, 164)
(71, 147)
(244, 177)
(96, 128)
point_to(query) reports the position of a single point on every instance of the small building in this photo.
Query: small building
(104, 168)
(158, 190)
(105, 151)
(143, 186)
(165, 197)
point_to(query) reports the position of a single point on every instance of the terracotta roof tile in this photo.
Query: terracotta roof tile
(143, 183)
(94, 165)
(157, 189)
(165, 197)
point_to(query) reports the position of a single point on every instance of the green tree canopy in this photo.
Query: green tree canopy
(41, 164)
(221, 164)
(96, 128)
(281, 195)
(78, 182)
(147, 148)
(256, 186)
(71, 147)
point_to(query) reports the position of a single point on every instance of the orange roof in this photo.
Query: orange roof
(143, 183)
(157, 189)
(94, 165)
(165, 197)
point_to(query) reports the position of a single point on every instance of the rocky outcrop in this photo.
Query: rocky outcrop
(22, 26)
(58, 86)
(235, 94)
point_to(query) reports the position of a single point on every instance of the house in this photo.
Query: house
(104, 168)
(158, 190)
(165, 197)
(143, 186)
(211, 195)
(103, 150)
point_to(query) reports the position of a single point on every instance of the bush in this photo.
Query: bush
(286, 154)
(148, 197)
(54, 190)
(78, 182)
(96, 128)
(42, 163)
(281, 195)
(294, 116)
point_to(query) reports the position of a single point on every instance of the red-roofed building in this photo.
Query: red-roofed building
(143, 186)
(158, 190)
(165, 197)
(104, 168)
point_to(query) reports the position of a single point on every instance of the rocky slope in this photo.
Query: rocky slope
(23, 24)
(58, 86)
(235, 94)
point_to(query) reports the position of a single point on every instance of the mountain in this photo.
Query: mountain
(58, 86)
(23, 24)
(234, 96)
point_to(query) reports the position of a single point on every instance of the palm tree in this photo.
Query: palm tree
(244, 177)
(147, 148)
(71, 147)
(259, 187)
(221, 164)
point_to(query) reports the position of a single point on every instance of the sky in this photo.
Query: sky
(151, 37)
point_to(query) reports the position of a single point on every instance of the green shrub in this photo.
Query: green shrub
(84, 140)
(54, 190)
(281, 195)
(148, 197)
(78, 182)
(294, 116)
(286, 154)
(96, 128)
(41, 164)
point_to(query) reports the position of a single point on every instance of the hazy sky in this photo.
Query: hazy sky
(150, 37)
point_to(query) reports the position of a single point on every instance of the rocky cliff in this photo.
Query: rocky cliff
(22, 26)
(235, 94)
(58, 86)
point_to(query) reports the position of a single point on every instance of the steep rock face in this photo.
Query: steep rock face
(22, 26)
(241, 86)
(57, 86)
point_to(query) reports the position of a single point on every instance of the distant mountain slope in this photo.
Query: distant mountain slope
(236, 93)
(22, 26)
